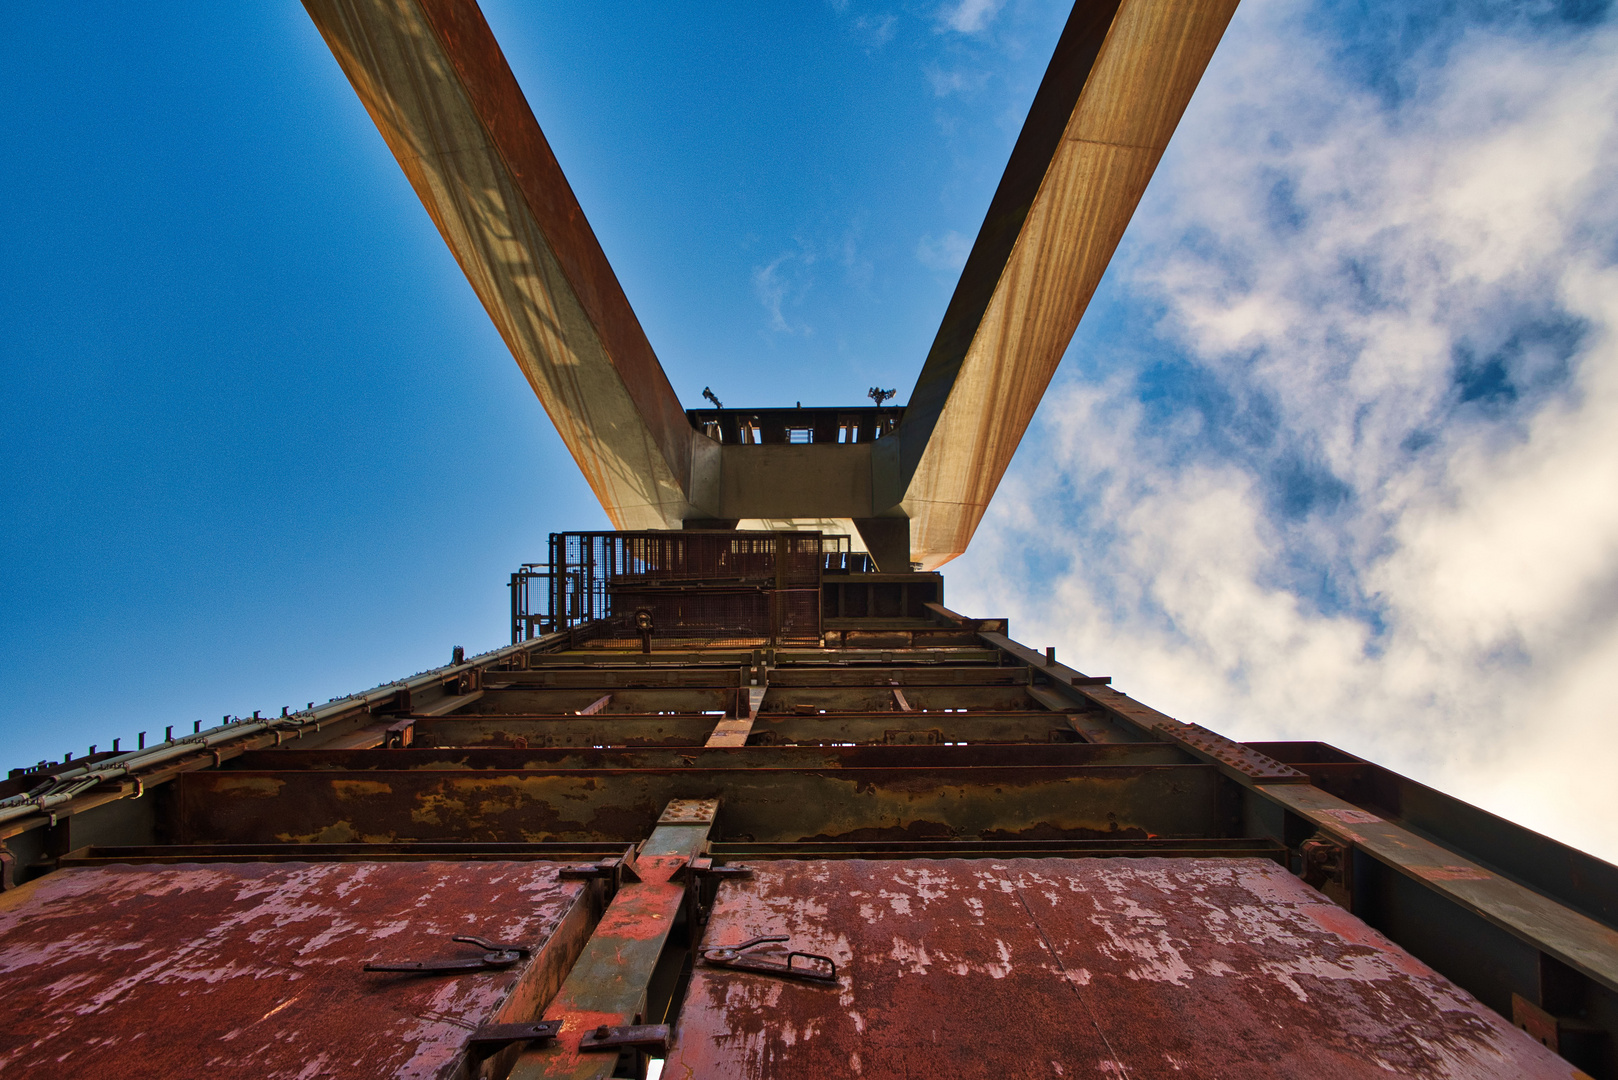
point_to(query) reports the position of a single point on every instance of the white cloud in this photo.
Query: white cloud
(779, 283)
(1417, 307)
(945, 254)
(969, 16)
(877, 30)
(957, 82)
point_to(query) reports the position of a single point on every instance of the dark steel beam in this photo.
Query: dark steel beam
(1576, 940)
(461, 759)
(770, 728)
(500, 805)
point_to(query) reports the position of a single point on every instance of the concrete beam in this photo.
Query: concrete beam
(436, 84)
(1121, 77)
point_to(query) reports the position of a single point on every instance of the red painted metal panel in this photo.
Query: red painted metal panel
(1078, 967)
(254, 970)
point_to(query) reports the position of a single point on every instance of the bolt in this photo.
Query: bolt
(285, 709)
(603, 1031)
(92, 748)
(196, 727)
(115, 745)
(67, 757)
(1050, 654)
(142, 741)
(256, 715)
(168, 733)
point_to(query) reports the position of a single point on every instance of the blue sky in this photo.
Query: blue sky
(1329, 456)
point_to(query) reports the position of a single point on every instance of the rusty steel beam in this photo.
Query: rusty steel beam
(500, 697)
(1580, 942)
(1121, 77)
(823, 756)
(778, 804)
(816, 673)
(937, 645)
(1190, 847)
(610, 985)
(106, 855)
(437, 86)
(734, 730)
(771, 728)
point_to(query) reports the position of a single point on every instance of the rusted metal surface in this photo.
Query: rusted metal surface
(1029, 802)
(880, 698)
(1249, 764)
(256, 969)
(462, 759)
(609, 986)
(876, 756)
(1085, 967)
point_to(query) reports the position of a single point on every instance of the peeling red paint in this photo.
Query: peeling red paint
(245, 970)
(1127, 967)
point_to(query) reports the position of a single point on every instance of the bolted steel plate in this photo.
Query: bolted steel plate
(1207, 968)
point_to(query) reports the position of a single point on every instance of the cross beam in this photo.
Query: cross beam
(435, 82)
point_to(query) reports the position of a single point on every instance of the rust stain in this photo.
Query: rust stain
(253, 970)
(258, 786)
(641, 913)
(1089, 967)
(1351, 817)
(359, 789)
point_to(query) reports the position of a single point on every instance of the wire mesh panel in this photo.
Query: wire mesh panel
(768, 583)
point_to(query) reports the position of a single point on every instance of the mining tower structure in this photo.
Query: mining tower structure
(743, 796)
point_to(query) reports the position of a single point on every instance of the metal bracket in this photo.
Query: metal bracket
(652, 1037)
(619, 871)
(689, 812)
(490, 1039)
(1324, 860)
(494, 958)
(823, 971)
(703, 867)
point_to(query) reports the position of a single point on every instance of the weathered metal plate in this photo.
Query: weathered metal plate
(1033, 802)
(255, 969)
(1078, 967)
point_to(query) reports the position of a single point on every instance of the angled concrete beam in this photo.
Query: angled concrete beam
(434, 81)
(439, 90)
(1121, 77)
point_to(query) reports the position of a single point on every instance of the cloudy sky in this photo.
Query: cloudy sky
(1334, 454)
